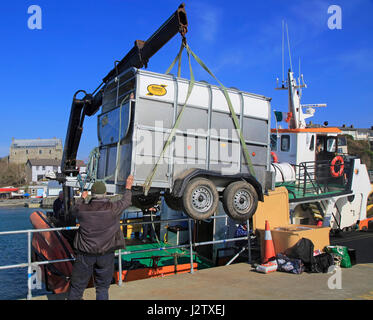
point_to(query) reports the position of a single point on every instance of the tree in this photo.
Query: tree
(12, 173)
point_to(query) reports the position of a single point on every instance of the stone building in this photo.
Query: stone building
(22, 150)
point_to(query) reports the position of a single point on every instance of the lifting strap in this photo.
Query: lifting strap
(150, 177)
(233, 113)
(178, 58)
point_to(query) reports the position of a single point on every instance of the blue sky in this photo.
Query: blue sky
(239, 40)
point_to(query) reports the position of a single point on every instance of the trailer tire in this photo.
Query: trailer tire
(200, 199)
(173, 202)
(145, 202)
(240, 200)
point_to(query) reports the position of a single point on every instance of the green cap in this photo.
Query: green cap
(98, 188)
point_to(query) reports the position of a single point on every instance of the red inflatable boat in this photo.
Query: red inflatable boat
(51, 245)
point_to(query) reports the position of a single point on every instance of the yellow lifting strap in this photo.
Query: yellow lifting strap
(149, 179)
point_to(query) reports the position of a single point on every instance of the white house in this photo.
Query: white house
(37, 168)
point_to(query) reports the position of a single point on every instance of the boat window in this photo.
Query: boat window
(109, 123)
(274, 142)
(342, 141)
(331, 144)
(312, 144)
(285, 143)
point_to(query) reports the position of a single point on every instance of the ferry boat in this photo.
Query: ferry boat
(326, 185)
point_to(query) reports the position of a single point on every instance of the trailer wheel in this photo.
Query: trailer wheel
(173, 202)
(145, 202)
(200, 199)
(240, 200)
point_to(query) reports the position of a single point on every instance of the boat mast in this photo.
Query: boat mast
(298, 117)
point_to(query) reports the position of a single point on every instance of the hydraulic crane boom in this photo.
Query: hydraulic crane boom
(137, 57)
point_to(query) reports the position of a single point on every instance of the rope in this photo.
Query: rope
(158, 241)
(91, 169)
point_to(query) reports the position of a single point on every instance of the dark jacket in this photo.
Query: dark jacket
(99, 220)
(57, 207)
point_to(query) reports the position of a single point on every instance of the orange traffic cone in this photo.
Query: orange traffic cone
(269, 249)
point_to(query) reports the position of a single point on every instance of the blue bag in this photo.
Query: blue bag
(286, 264)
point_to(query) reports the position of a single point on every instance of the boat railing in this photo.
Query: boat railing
(314, 179)
(33, 265)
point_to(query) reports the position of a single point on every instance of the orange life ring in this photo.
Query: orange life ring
(274, 157)
(332, 169)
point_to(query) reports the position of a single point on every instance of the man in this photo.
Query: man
(97, 238)
(148, 229)
(58, 206)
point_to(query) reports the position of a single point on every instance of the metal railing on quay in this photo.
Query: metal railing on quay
(30, 264)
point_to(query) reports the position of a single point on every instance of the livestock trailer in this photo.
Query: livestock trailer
(139, 109)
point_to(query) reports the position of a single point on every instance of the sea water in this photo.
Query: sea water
(13, 250)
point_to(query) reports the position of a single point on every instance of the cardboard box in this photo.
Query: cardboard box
(287, 236)
(275, 209)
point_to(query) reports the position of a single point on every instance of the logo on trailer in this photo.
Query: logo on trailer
(156, 90)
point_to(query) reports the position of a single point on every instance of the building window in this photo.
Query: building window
(50, 151)
(26, 151)
(39, 151)
(43, 167)
(285, 143)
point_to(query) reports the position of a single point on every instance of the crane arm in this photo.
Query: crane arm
(137, 57)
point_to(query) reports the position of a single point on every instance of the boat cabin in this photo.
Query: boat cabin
(304, 145)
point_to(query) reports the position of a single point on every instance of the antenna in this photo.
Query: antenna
(287, 32)
(283, 35)
(299, 83)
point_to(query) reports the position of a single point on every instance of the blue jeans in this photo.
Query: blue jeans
(101, 266)
(148, 229)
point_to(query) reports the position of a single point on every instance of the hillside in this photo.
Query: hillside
(360, 148)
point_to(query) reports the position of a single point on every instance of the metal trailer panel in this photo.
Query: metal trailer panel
(206, 137)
